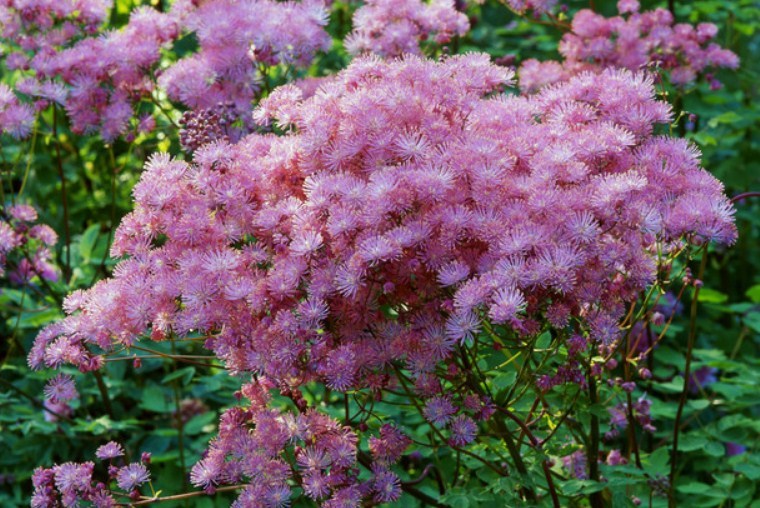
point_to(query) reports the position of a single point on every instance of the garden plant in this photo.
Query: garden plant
(261, 253)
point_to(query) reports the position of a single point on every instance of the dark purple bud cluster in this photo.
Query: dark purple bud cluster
(203, 126)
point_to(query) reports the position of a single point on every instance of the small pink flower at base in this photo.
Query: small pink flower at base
(315, 485)
(102, 499)
(54, 410)
(61, 389)
(576, 464)
(73, 478)
(615, 458)
(386, 486)
(110, 450)
(16, 118)
(132, 476)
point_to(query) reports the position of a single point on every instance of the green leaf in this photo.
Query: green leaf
(715, 449)
(705, 139)
(186, 374)
(196, 424)
(728, 117)
(544, 340)
(699, 404)
(87, 242)
(504, 381)
(751, 471)
(657, 462)
(753, 293)
(708, 295)
(694, 488)
(752, 320)
(153, 399)
(39, 319)
(691, 442)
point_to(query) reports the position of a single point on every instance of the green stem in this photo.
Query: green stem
(593, 449)
(686, 376)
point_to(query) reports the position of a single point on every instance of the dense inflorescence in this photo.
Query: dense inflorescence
(251, 447)
(407, 204)
(537, 6)
(16, 118)
(203, 126)
(393, 28)
(70, 483)
(44, 24)
(632, 40)
(97, 78)
(25, 246)
(237, 37)
(101, 79)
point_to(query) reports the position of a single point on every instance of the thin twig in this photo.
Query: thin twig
(64, 197)
(149, 500)
(745, 195)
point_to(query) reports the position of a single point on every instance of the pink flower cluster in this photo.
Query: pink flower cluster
(25, 246)
(537, 6)
(58, 393)
(16, 118)
(400, 187)
(101, 79)
(395, 27)
(236, 37)
(39, 25)
(251, 447)
(71, 483)
(408, 203)
(97, 79)
(632, 40)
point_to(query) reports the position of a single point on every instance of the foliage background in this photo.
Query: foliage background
(171, 409)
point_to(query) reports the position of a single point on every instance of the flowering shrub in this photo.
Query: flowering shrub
(350, 274)
(449, 220)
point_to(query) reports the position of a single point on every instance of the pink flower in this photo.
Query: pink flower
(132, 476)
(109, 450)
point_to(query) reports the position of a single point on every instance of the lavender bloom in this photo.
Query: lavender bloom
(110, 450)
(61, 389)
(16, 118)
(391, 28)
(702, 378)
(386, 485)
(615, 458)
(132, 476)
(439, 410)
(576, 464)
(388, 448)
(733, 449)
(463, 430)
